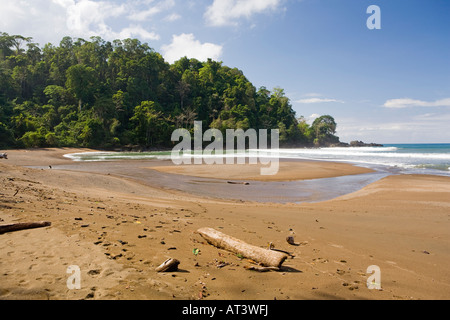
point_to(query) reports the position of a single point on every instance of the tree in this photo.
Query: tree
(7, 137)
(324, 129)
(92, 132)
(183, 89)
(148, 121)
(57, 96)
(6, 43)
(306, 136)
(81, 83)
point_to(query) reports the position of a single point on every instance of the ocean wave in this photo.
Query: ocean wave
(354, 152)
(337, 150)
(440, 167)
(82, 155)
(113, 156)
(363, 149)
(300, 153)
(392, 157)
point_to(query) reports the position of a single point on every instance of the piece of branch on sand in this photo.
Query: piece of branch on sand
(243, 183)
(264, 257)
(23, 226)
(261, 269)
(169, 265)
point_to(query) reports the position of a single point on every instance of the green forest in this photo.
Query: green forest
(102, 94)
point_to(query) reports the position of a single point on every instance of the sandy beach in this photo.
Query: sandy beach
(118, 224)
(288, 171)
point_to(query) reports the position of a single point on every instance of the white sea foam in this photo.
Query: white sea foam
(410, 159)
(403, 158)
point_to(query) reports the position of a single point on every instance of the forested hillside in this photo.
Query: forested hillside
(113, 94)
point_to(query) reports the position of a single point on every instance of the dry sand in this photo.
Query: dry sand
(119, 230)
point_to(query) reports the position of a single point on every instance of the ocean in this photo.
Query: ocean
(395, 158)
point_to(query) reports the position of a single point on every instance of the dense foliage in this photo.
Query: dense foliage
(101, 94)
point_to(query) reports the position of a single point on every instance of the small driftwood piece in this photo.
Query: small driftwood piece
(23, 226)
(233, 182)
(264, 257)
(261, 269)
(169, 265)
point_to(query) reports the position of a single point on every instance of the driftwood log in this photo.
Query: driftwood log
(23, 226)
(261, 269)
(265, 257)
(233, 182)
(169, 265)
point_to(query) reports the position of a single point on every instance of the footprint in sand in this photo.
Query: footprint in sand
(32, 266)
(94, 272)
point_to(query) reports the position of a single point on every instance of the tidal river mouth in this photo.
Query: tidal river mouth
(297, 191)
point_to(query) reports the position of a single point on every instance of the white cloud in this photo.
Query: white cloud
(432, 117)
(142, 15)
(173, 17)
(51, 20)
(135, 32)
(186, 45)
(405, 103)
(64, 3)
(40, 19)
(318, 100)
(88, 18)
(417, 129)
(227, 12)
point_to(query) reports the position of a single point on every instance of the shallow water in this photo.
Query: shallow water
(315, 190)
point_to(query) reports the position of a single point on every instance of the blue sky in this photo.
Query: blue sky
(389, 86)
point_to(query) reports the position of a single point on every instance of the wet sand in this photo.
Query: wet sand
(118, 229)
(288, 171)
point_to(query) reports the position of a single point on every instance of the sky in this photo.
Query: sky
(386, 85)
